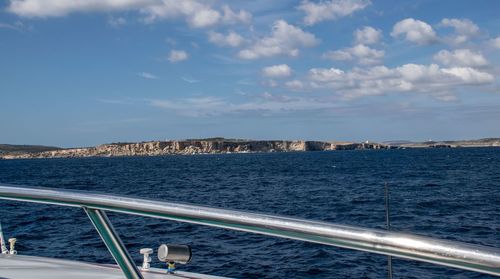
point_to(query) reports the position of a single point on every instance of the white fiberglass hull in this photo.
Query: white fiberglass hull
(17, 267)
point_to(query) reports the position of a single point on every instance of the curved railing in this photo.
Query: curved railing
(442, 252)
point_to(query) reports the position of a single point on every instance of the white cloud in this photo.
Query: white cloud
(294, 85)
(439, 82)
(204, 18)
(468, 75)
(266, 104)
(190, 80)
(10, 26)
(7, 26)
(231, 17)
(277, 71)
(465, 29)
(330, 9)
(198, 14)
(192, 106)
(177, 55)
(270, 83)
(47, 8)
(232, 39)
(415, 31)
(284, 39)
(461, 57)
(495, 42)
(147, 75)
(116, 22)
(367, 35)
(361, 53)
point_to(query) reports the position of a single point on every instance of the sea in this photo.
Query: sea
(444, 193)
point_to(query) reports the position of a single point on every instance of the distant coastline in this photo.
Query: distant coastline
(220, 145)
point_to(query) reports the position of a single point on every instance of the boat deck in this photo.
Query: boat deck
(17, 266)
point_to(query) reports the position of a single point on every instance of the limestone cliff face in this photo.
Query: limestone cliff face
(190, 147)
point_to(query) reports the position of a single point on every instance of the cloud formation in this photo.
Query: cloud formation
(266, 104)
(430, 79)
(50, 8)
(232, 39)
(231, 17)
(495, 42)
(285, 39)
(461, 58)
(198, 14)
(190, 80)
(454, 69)
(116, 22)
(147, 75)
(415, 31)
(294, 85)
(177, 56)
(361, 53)
(465, 29)
(367, 35)
(18, 26)
(277, 71)
(330, 9)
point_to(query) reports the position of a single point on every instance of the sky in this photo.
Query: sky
(82, 73)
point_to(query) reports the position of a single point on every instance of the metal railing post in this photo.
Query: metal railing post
(3, 248)
(113, 242)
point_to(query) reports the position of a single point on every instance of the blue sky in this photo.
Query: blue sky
(80, 73)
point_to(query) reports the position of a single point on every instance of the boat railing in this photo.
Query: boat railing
(455, 254)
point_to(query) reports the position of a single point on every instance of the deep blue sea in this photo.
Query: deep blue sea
(446, 193)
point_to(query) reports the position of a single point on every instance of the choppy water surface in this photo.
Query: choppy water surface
(446, 193)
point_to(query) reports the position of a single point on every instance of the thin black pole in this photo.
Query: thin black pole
(388, 226)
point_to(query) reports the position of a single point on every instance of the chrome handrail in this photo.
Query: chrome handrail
(478, 258)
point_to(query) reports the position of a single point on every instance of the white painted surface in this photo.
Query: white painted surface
(24, 267)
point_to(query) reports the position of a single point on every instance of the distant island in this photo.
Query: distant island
(220, 145)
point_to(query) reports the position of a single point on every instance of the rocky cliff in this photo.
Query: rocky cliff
(486, 142)
(21, 149)
(190, 147)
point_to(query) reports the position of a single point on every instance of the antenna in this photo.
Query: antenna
(388, 226)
